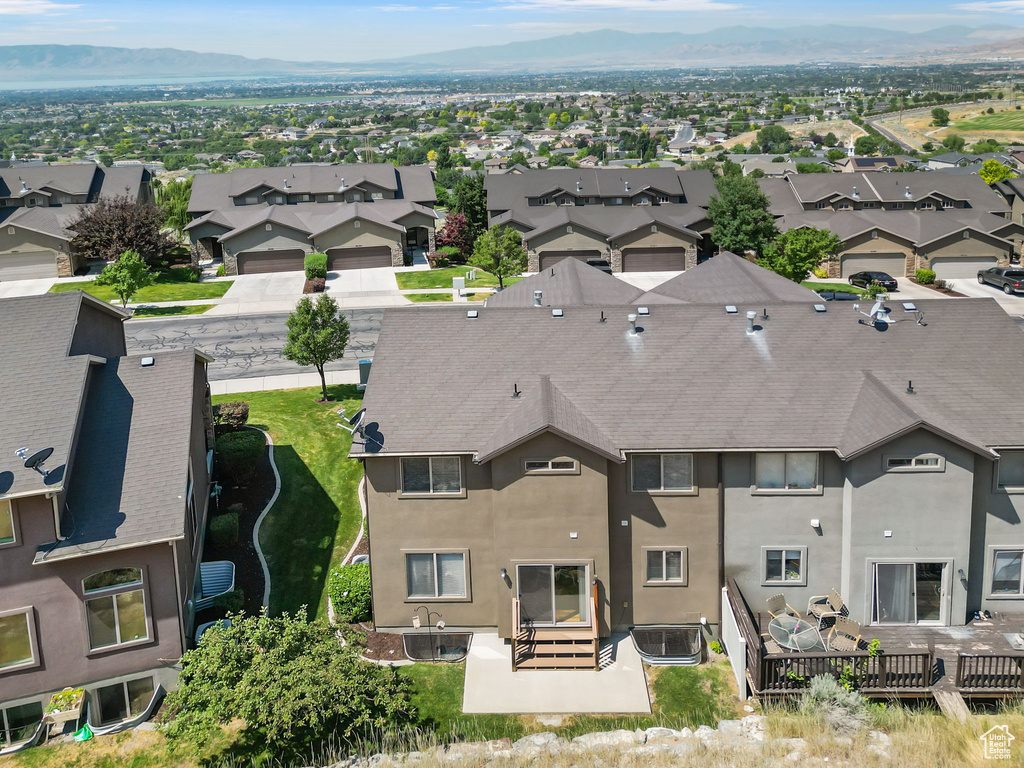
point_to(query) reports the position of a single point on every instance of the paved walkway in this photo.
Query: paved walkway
(292, 381)
(492, 687)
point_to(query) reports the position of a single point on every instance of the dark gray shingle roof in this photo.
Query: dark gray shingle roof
(569, 283)
(729, 279)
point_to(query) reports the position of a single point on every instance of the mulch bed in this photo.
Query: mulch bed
(382, 646)
(316, 285)
(248, 572)
(943, 291)
(363, 547)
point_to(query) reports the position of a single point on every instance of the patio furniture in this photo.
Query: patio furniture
(828, 606)
(216, 577)
(203, 628)
(777, 606)
(796, 634)
(845, 635)
(770, 646)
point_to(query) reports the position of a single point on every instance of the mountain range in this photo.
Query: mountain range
(602, 49)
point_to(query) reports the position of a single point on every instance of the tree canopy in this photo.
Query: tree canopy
(992, 172)
(500, 251)
(740, 217)
(940, 117)
(112, 226)
(468, 198)
(317, 334)
(796, 252)
(126, 276)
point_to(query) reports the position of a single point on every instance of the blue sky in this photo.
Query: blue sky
(364, 30)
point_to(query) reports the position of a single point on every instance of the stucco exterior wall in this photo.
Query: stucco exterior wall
(261, 239)
(349, 235)
(559, 239)
(975, 246)
(663, 237)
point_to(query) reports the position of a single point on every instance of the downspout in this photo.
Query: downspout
(177, 592)
(721, 523)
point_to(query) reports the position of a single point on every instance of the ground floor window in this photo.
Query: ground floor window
(436, 574)
(1006, 572)
(784, 565)
(123, 700)
(17, 724)
(665, 566)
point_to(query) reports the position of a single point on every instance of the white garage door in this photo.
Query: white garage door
(27, 265)
(893, 263)
(953, 267)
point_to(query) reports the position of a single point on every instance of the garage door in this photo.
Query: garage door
(27, 265)
(261, 262)
(893, 263)
(550, 258)
(358, 258)
(952, 267)
(653, 259)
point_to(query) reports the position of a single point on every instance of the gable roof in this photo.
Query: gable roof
(569, 283)
(729, 279)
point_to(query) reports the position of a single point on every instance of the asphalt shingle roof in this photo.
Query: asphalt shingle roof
(729, 279)
(569, 283)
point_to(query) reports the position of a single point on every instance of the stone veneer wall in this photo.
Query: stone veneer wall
(230, 263)
(397, 256)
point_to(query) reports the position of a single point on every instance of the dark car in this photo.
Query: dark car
(839, 296)
(864, 279)
(1010, 279)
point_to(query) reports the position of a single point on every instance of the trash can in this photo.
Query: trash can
(364, 373)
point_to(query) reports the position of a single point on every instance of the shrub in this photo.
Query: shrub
(316, 266)
(942, 285)
(716, 647)
(184, 274)
(925, 276)
(874, 290)
(232, 602)
(224, 529)
(407, 259)
(844, 710)
(232, 416)
(222, 271)
(349, 590)
(315, 285)
(820, 272)
(438, 260)
(239, 453)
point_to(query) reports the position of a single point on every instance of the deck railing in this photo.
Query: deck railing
(517, 629)
(990, 672)
(747, 626)
(595, 627)
(868, 672)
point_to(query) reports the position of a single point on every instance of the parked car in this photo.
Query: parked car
(864, 279)
(1010, 279)
(839, 296)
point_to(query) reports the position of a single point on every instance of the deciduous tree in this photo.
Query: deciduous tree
(740, 217)
(115, 225)
(940, 117)
(500, 251)
(317, 334)
(796, 252)
(456, 234)
(468, 198)
(992, 172)
(126, 276)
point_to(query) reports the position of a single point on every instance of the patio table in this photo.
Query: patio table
(795, 634)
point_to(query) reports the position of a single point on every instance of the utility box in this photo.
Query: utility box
(458, 285)
(364, 373)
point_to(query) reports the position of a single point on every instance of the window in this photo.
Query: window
(868, 204)
(786, 471)
(331, 198)
(269, 227)
(897, 206)
(376, 195)
(926, 206)
(659, 472)
(967, 234)
(1011, 469)
(544, 201)
(820, 206)
(948, 204)
(874, 234)
(642, 201)
(279, 199)
(784, 565)
(118, 616)
(560, 466)
(436, 474)
(924, 463)
(844, 206)
(355, 224)
(436, 574)
(251, 200)
(663, 199)
(304, 198)
(1006, 572)
(32, 202)
(654, 229)
(6, 522)
(124, 700)
(17, 645)
(616, 201)
(565, 201)
(17, 724)
(666, 566)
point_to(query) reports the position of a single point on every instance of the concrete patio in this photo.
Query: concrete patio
(492, 687)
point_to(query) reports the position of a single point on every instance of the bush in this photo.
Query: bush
(925, 276)
(316, 266)
(232, 602)
(349, 590)
(844, 710)
(232, 416)
(315, 285)
(239, 453)
(222, 271)
(184, 274)
(942, 285)
(716, 647)
(820, 272)
(438, 260)
(224, 529)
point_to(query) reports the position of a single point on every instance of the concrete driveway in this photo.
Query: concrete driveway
(11, 288)
(1013, 305)
(362, 281)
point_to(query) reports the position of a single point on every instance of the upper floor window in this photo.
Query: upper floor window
(376, 195)
(305, 198)
(331, 198)
(252, 200)
(786, 471)
(565, 201)
(820, 206)
(355, 198)
(616, 201)
(117, 615)
(662, 472)
(544, 201)
(924, 463)
(6, 522)
(927, 206)
(433, 474)
(643, 201)
(948, 204)
(867, 204)
(551, 466)
(897, 206)
(663, 199)
(1011, 469)
(844, 206)
(17, 643)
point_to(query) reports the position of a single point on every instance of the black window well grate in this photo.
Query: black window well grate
(437, 646)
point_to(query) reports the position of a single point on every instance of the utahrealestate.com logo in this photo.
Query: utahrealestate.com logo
(997, 742)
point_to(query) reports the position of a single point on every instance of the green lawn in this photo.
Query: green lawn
(997, 122)
(316, 517)
(164, 289)
(189, 309)
(442, 278)
(846, 287)
(422, 297)
(683, 697)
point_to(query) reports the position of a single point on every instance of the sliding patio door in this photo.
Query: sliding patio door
(553, 594)
(909, 593)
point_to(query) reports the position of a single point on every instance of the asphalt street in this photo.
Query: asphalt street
(248, 345)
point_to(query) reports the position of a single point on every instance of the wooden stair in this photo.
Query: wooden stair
(556, 649)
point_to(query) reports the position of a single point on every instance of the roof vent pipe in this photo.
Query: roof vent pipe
(537, 296)
(907, 194)
(750, 322)
(632, 324)
(856, 194)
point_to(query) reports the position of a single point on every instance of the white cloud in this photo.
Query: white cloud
(445, 8)
(998, 6)
(683, 6)
(32, 7)
(394, 8)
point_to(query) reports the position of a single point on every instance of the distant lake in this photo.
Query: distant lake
(67, 85)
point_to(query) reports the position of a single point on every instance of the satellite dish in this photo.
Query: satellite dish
(37, 458)
(355, 421)
(6, 481)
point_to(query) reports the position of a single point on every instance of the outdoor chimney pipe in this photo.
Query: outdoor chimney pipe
(751, 314)
(537, 296)
(632, 324)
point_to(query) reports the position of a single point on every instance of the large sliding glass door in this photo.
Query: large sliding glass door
(553, 594)
(909, 593)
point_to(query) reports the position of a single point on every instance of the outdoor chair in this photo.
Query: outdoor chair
(845, 635)
(828, 606)
(770, 646)
(777, 606)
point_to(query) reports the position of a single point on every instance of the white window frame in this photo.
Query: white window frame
(376, 195)
(30, 622)
(692, 490)
(815, 490)
(111, 593)
(927, 206)
(663, 581)
(548, 469)
(430, 473)
(918, 463)
(990, 572)
(784, 581)
(543, 201)
(897, 206)
(7, 505)
(464, 553)
(820, 206)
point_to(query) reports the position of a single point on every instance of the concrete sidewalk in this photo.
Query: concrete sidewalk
(492, 687)
(296, 381)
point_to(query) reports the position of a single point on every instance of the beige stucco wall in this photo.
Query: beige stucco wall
(367, 233)
(884, 243)
(259, 239)
(664, 237)
(559, 239)
(976, 246)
